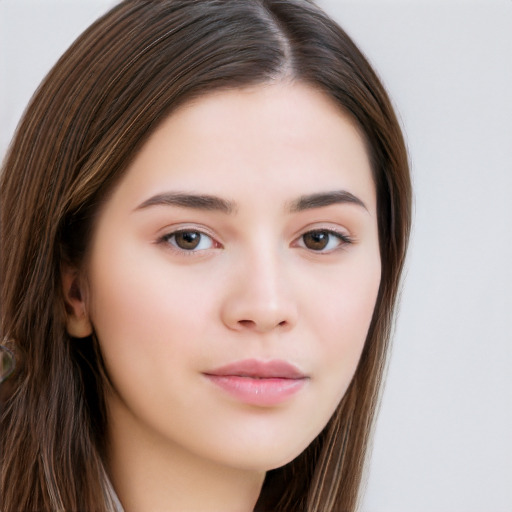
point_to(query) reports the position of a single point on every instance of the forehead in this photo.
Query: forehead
(282, 139)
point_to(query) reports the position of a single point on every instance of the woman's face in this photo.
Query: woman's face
(233, 274)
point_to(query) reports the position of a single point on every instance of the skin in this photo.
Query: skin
(252, 289)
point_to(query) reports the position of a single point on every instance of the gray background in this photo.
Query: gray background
(443, 440)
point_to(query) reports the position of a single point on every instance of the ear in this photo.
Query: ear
(78, 323)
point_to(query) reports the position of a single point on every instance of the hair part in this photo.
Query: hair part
(93, 112)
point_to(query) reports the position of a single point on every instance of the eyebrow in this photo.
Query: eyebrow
(322, 199)
(207, 202)
(186, 200)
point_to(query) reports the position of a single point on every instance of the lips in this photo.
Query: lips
(260, 370)
(262, 383)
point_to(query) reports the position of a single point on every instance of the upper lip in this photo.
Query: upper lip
(259, 370)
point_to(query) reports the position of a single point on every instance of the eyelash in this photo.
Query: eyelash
(343, 239)
(166, 239)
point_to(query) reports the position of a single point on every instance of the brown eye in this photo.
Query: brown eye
(323, 240)
(316, 240)
(189, 240)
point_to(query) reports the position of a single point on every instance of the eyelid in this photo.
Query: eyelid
(344, 237)
(170, 231)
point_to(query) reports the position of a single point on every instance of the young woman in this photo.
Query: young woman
(204, 217)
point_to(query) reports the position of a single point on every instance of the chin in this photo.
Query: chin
(267, 457)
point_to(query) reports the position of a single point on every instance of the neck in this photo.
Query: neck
(150, 472)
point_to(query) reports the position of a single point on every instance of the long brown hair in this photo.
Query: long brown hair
(87, 120)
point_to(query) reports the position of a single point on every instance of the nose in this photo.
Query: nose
(260, 295)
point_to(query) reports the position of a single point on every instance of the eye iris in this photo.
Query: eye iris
(316, 240)
(187, 240)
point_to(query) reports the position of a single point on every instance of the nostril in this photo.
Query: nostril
(246, 323)
(251, 324)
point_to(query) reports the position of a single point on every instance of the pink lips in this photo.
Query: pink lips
(259, 383)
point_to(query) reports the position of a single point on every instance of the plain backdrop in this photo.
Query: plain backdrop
(443, 441)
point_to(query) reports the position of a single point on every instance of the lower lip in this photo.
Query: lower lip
(254, 391)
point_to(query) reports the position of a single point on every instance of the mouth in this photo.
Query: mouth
(258, 383)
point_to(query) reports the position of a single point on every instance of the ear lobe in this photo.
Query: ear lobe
(78, 324)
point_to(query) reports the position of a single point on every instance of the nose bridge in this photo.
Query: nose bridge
(262, 297)
(266, 277)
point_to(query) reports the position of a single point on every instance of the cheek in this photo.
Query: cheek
(144, 315)
(342, 305)
(341, 317)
